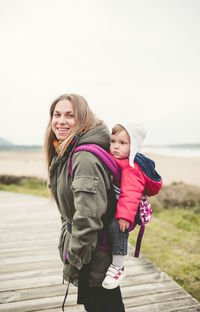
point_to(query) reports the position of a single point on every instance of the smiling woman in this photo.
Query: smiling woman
(84, 199)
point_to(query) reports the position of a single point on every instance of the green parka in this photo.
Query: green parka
(82, 200)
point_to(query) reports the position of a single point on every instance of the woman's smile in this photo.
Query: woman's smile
(62, 130)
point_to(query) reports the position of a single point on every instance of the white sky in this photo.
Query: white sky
(128, 58)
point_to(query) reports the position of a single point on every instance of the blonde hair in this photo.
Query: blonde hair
(83, 117)
(117, 129)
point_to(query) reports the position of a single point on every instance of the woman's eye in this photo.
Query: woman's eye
(56, 115)
(70, 116)
(112, 141)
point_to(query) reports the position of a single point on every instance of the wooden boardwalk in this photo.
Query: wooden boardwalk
(31, 271)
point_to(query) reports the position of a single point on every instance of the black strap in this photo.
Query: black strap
(63, 305)
(69, 228)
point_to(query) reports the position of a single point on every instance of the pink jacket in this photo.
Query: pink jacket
(134, 183)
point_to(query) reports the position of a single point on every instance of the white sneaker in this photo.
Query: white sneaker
(114, 276)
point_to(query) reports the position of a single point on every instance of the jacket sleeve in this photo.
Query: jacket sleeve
(132, 188)
(89, 186)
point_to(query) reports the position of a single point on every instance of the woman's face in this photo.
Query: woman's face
(63, 120)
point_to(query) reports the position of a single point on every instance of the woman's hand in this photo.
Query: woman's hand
(123, 224)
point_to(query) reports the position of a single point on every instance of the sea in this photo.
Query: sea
(180, 150)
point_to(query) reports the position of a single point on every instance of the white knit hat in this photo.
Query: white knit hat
(137, 133)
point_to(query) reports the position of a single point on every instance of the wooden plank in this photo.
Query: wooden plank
(30, 283)
(145, 279)
(168, 306)
(183, 309)
(32, 293)
(138, 290)
(136, 261)
(30, 274)
(21, 266)
(156, 298)
(142, 269)
(38, 304)
(32, 253)
(76, 308)
(23, 246)
(29, 259)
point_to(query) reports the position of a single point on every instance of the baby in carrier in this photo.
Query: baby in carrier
(138, 178)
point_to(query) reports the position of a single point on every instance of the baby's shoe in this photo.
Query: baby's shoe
(114, 276)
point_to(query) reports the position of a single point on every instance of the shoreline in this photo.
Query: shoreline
(32, 163)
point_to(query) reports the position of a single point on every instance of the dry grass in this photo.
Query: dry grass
(22, 184)
(180, 195)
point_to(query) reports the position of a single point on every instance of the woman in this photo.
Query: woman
(83, 198)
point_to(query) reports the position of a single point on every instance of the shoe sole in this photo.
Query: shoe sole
(110, 286)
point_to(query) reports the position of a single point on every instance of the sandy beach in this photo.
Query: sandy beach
(32, 163)
(23, 163)
(177, 169)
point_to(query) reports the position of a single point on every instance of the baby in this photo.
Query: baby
(138, 177)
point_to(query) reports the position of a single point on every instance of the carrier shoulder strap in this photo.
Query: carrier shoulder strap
(112, 170)
(102, 155)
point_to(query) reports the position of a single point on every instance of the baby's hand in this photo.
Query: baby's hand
(123, 224)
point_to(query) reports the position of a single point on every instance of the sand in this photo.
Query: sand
(177, 169)
(23, 163)
(32, 163)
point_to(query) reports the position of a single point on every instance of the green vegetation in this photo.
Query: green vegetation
(29, 185)
(172, 238)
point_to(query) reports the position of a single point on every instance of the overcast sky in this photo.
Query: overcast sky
(128, 58)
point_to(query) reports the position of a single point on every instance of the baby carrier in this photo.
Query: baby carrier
(144, 212)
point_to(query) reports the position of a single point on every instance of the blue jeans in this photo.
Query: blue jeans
(118, 240)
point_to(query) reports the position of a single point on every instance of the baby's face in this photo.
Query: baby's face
(120, 145)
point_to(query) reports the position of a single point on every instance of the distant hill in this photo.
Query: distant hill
(4, 142)
(7, 145)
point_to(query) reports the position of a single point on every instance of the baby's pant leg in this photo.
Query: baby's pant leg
(118, 239)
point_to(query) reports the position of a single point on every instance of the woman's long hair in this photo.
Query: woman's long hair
(83, 117)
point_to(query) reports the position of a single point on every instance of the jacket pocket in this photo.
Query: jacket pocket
(71, 274)
(63, 243)
(86, 195)
(85, 184)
